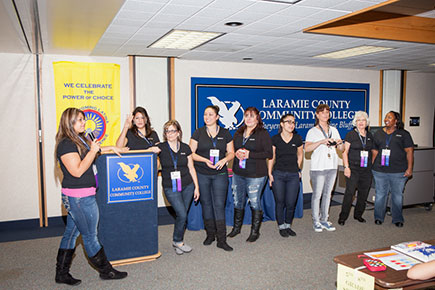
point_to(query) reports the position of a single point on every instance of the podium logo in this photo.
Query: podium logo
(129, 174)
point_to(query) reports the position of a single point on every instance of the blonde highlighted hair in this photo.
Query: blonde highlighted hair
(66, 129)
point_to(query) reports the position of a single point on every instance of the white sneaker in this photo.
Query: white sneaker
(317, 227)
(182, 247)
(327, 226)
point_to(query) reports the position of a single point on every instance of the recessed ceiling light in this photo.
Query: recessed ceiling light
(247, 58)
(184, 39)
(283, 1)
(234, 23)
(360, 50)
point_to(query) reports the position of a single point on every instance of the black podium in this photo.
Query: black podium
(127, 200)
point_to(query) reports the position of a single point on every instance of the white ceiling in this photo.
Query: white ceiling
(271, 32)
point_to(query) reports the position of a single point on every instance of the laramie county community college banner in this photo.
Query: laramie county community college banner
(93, 88)
(274, 98)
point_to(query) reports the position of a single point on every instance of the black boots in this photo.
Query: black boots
(221, 235)
(257, 216)
(64, 258)
(238, 221)
(104, 267)
(210, 229)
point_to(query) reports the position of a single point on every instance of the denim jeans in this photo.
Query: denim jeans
(213, 189)
(251, 186)
(83, 216)
(361, 179)
(180, 202)
(385, 183)
(323, 182)
(285, 188)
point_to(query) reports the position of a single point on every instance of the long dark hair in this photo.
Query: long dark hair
(148, 128)
(66, 129)
(399, 122)
(321, 108)
(260, 125)
(282, 120)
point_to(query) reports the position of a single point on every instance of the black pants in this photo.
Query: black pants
(361, 179)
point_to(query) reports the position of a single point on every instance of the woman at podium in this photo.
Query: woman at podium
(212, 148)
(137, 133)
(179, 180)
(76, 155)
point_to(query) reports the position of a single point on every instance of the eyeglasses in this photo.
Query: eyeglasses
(289, 121)
(171, 131)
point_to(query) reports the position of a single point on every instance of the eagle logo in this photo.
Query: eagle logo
(227, 116)
(130, 173)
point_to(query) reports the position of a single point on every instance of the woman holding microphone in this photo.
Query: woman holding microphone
(76, 156)
(212, 148)
(253, 146)
(286, 162)
(137, 133)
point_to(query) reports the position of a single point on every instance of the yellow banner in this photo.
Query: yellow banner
(93, 88)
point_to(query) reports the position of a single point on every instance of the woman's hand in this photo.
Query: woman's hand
(95, 146)
(242, 154)
(347, 172)
(270, 180)
(155, 149)
(196, 194)
(220, 164)
(209, 164)
(408, 173)
(119, 150)
(128, 121)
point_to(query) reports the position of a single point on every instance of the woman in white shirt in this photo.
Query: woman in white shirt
(323, 140)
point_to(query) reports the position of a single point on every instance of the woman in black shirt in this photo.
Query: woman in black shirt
(76, 155)
(137, 133)
(393, 155)
(253, 146)
(357, 161)
(284, 179)
(179, 180)
(212, 148)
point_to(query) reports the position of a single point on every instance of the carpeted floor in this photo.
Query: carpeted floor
(273, 262)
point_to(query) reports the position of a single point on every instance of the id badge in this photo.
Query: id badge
(214, 156)
(94, 169)
(385, 159)
(242, 163)
(364, 158)
(176, 181)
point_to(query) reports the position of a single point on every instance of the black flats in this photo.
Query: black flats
(341, 222)
(399, 224)
(378, 222)
(361, 219)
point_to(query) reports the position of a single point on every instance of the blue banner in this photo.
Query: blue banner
(130, 178)
(274, 98)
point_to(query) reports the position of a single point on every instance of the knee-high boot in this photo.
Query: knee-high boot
(104, 267)
(238, 221)
(210, 229)
(63, 264)
(257, 216)
(221, 235)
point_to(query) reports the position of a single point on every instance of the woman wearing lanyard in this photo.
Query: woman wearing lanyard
(288, 153)
(253, 146)
(393, 155)
(212, 148)
(323, 140)
(179, 180)
(76, 156)
(357, 163)
(138, 133)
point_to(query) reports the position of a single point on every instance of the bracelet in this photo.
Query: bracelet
(346, 167)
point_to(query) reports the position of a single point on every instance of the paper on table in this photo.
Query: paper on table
(394, 259)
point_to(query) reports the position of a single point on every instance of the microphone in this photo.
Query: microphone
(90, 134)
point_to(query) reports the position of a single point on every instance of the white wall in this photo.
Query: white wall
(19, 196)
(54, 205)
(420, 102)
(185, 69)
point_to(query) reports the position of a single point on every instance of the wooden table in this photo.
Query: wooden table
(387, 279)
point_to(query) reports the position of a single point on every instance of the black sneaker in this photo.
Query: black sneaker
(291, 232)
(284, 233)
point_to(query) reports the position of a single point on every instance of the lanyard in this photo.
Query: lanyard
(213, 140)
(363, 141)
(174, 159)
(324, 134)
(245, 140)
(388, 139)
(84, 142)
(145, 138)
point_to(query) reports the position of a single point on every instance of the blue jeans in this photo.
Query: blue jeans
(385, 183)
(251, 186)
(213, 189)
(285, 188)
(323, 182)
(83, 216)
(180, 202)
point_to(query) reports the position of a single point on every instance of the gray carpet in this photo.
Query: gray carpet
(273, 262)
